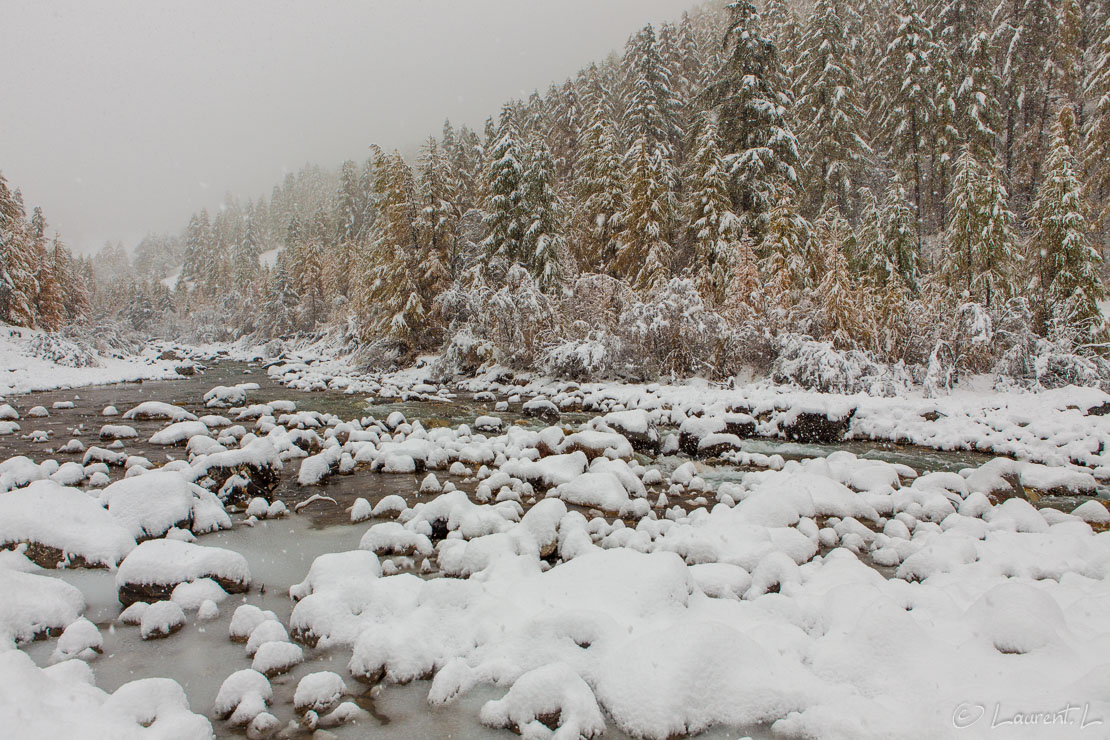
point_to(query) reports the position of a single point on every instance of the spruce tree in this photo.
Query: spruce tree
(543, 241)
(715, 231)
(599, 191)
(750, 95)
(1096, 163)
(1068, 287)
(980, 250)
(437, 219)
(396, 307)
(905, 107)
(644, 253)
(504, 209)
(836, 157)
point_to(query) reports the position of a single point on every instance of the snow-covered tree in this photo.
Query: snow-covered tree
(715, 231)
(644, 251)
(905, 107)
(1068, 287)
(395, 307)
(652, 108)
(438, 218)
(543, 242)
(836, 157)
(980, 247)
(978, 115)
(1097, 133)
(599, 191)
(504, 209)
(750, 95)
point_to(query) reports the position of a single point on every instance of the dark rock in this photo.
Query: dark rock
(811, 428)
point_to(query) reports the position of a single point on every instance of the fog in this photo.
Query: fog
(122, 117)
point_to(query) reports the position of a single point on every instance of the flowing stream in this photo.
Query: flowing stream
(280, 551)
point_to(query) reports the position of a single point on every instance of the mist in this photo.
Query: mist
(123, 117)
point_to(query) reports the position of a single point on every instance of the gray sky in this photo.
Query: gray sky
(124, 116)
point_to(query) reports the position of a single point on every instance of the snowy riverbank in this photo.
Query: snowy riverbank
(33, 360)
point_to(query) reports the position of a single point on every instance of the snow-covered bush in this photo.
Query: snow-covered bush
(62, 351)
(673, 333)
(819, 366)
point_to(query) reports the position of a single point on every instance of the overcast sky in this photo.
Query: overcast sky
(120, 117)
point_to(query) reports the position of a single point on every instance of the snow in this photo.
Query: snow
(33, 604)
(150, 504)
(81, 640)
(27, 372)
(161, 619)
(66, 519)
(169, 562)
(602, 491)
(550, 690)
(273, 657)
(178, 432)
(61, 701)
(148, 410)
(319, 691)
(243, 696)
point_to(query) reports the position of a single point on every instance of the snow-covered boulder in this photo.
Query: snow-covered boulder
(155, 567)
(158, 410)
(62, 524)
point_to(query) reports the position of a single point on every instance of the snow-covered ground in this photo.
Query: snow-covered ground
(32, 360)
(594, 558)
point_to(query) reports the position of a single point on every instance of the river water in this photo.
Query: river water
(280, 551)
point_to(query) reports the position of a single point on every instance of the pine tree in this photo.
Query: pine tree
(643, 253)
(18, 286)
(836, 156)
(600, 192)
(840, 302)
(751, 97)
(652, 110)
(977, 107)
(1068, 286)
(787, 250)
(543, 241)
(245, 259)
(396, 308)
(437, 220)
(1096, 163)
(980, 245)
(1024, 32)
(279, 314)
(906, 108)
(715, 231)
(888, 251)
(505, 217)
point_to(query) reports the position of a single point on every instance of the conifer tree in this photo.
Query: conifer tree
(652, 108)
(840, 301)
(977, 107)
(437, 219)
(906, 106)
(980, 245)
(836, 156)
(543, 241)
(1096, 163)
(1068, 287)
(600, 192)
(644, 253)
(504, 208)
(751, 97)
(715, 230)
(788, 261)
(18, 285)
(396, 306)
